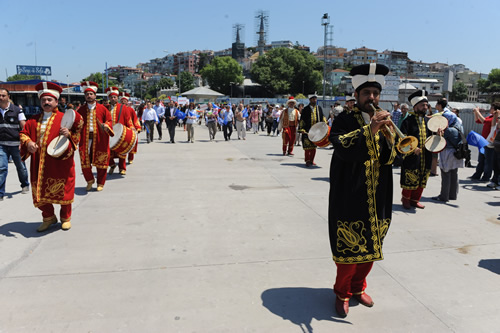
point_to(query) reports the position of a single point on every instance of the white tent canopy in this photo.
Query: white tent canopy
(201, 93)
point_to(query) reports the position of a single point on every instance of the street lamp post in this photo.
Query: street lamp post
(325, 21)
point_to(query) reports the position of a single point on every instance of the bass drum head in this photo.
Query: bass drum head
(58, 146)
(437, 122)
(435, 143)
(114, 140)
(68, 119)
(318, 132)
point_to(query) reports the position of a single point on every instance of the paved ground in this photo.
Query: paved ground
(232, 237)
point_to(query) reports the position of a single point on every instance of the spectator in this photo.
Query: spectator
(160, 112)
(12, 121)
(484, 166)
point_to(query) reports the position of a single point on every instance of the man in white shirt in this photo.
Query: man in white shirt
(149, 118)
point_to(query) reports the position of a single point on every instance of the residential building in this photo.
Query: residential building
(360, 56)
(335, 76)
(334, 55)
(396, 61)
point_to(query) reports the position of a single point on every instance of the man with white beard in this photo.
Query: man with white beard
(289, 121)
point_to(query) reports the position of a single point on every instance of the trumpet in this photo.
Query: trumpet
(406, 144)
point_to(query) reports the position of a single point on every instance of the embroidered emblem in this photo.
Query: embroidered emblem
(55, 188)
(349, 139)
(101, 158)
(350, 237)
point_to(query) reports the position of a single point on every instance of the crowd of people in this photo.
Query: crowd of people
(363, 138)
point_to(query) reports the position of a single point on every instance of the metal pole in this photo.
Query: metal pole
(325, 22)
(107, 82)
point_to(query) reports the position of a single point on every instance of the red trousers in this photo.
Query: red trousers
(122, 163)
(288, 139)
(309, 155)
(412, 195)
(101, 175)
(351, 279)
(130, 156)
(48, 211)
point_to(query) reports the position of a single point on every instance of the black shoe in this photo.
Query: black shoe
(438, 198)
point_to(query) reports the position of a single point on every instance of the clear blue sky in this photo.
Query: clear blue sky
(77, 38)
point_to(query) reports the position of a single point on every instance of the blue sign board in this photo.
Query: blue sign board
(34, 70)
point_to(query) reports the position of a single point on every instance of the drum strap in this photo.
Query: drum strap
(119, 114)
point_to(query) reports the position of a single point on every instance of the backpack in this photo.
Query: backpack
(462, 150)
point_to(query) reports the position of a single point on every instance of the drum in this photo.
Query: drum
(60, 147)
(124, 139)
(68, 119)
(437, 122)
(435, 143)
(319, 133)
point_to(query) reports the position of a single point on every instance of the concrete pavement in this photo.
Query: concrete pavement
(232, 237)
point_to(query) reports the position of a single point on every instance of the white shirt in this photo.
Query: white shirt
(21, 114)
(91, 108)
(149, 114)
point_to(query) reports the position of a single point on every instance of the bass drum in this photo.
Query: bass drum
(123, 141)
(319, 133)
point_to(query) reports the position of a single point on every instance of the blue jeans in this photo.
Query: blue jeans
(22, 173)
(484, 165)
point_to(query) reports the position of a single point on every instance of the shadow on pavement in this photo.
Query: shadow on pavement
(26, 229)
(300, 305)
(301, 165)
(492, 265)
(325, 179)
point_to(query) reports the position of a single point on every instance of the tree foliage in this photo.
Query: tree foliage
(288, 71)
(459, 93)
(20, 77)
(165, 83)
(492, 83)
(187, 81)
(221, 72)
(98, 78)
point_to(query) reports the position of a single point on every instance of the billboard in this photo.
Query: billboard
(34, 70)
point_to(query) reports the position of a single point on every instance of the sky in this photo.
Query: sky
(77, 38)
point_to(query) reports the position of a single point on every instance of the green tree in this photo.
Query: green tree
(204, 61)
(165, 83)
(98, 78)
(20, 77)
(221, 72)
(288, 71)
(459, 93)
(492, 83)
(187, 81)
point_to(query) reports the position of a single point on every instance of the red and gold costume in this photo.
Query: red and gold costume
(120, 113)
(137, 125)
(289, 122)
(52, 179)
(94, 146)
(124, 97)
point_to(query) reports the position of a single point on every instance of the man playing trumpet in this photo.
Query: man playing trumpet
(360, 204)
(416, 166)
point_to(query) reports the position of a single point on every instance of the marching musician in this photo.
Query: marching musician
(52, 178)
(288, 122)
(124, 99)
(416, 167)
(350, 100)
(94, 141)
(120, 113)
(360, 204)
(311, 114)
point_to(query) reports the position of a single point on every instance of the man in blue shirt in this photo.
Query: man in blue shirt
(227, 126)
(160, 112)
